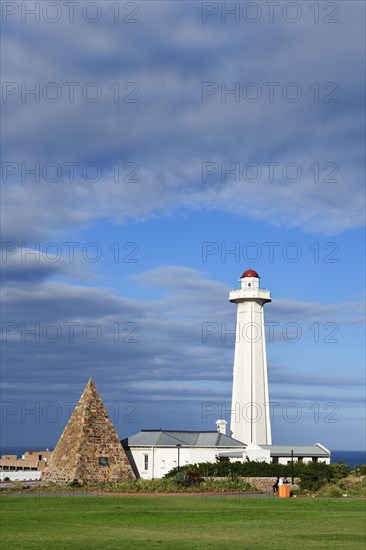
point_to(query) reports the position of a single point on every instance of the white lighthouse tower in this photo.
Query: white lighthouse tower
(250, 421)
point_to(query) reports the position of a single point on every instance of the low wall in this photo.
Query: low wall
(266, 483)
(29, 475)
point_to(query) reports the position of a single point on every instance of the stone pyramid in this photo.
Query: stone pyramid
(89, 449)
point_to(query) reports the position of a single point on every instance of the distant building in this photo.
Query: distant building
(27, 468)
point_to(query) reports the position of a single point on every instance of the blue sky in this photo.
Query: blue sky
(174, 145)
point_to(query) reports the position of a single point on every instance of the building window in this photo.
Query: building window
(315, 459)
(103, 461)
(163, 464)
(146, 462)
(275, 460)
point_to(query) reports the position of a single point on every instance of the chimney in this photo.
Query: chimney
(221, 426)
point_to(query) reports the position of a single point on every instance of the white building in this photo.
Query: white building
(153, 453)
(250, 417)
(285, 454)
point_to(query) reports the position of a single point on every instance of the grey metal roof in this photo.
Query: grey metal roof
(299, 450)
(141, 438)
(171, 438)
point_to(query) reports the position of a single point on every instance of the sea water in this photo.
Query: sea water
(351, 458)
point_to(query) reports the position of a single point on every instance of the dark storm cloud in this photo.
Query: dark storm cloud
(284, 376)
(62, 311)
(22, 265)
(301, 312)
(55, 331)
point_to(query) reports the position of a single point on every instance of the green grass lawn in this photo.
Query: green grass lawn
(180, 522)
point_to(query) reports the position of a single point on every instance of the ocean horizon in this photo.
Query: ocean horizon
(351, 458)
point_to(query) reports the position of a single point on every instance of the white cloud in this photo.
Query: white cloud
(169, 133)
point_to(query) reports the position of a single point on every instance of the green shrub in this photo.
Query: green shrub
(181, 478)
(353, 485)
(137, 486)
(360, 470)
(341, 469)
(156, 486)
(331, 490)
(188, 477)
(315, 475)
(227, 484)
(239, 469)
(75, 484)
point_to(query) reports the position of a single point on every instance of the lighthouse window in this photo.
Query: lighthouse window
(103, 461)
(249, 284)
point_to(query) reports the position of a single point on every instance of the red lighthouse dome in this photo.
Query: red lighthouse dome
(250, 273)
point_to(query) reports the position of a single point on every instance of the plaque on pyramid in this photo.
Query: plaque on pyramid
(89, 449)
